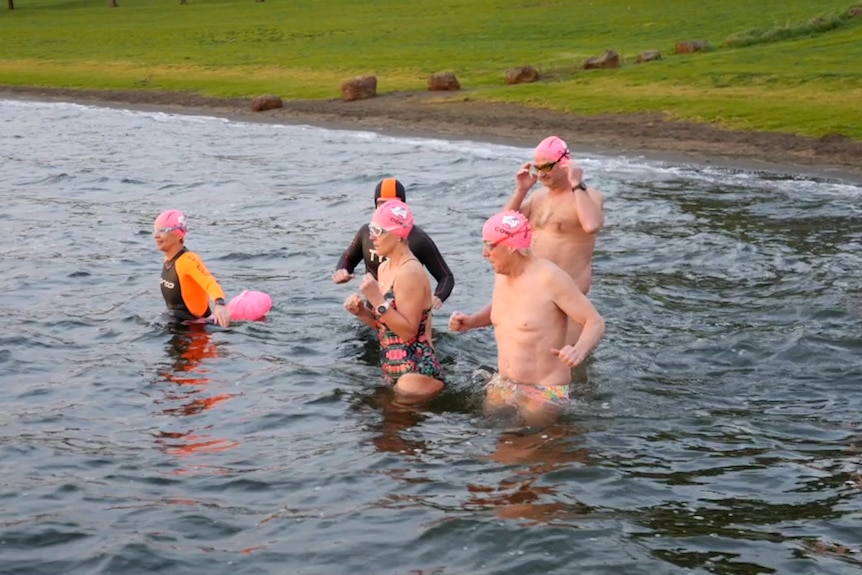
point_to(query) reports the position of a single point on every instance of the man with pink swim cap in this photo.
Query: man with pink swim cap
(534, 301)
(564, 212)
(186, 283)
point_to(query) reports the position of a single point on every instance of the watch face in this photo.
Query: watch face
(381, 309)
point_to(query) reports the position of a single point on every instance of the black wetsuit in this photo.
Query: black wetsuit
(419, 242)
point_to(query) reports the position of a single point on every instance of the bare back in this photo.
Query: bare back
(527, 327)
(559, 236)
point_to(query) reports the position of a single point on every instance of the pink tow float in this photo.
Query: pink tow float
(249, 306)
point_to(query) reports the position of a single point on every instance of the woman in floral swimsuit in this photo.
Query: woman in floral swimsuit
(408, 357)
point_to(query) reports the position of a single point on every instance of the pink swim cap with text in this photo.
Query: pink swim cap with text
(395, 217)
(510, 229)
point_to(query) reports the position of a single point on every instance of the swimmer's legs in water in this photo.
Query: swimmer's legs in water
(413, 388)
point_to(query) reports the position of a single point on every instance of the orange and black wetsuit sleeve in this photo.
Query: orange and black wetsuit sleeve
(197, 284)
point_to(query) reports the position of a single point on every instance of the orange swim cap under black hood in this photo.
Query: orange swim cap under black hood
(391, 189)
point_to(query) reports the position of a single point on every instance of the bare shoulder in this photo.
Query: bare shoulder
(554, 277)
(549, 272)
(413, 272)
(411, 284)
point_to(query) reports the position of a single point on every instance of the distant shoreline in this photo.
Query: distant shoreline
(457, 118)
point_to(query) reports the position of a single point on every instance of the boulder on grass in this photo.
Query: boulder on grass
(443, 81)
(521, 75)
(359, 88)
(691, 46)
(609, 59)
(648, 56)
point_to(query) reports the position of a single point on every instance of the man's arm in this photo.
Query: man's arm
(481, 318)
(460, 322)
(590, 205)
(425, 250)
(524, 180)
(571, 301)
(590, 213)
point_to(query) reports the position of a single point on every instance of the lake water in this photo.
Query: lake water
(716, 429)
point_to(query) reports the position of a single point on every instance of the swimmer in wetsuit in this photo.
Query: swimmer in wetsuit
(187, 285)
(420, 243)
(399, 307)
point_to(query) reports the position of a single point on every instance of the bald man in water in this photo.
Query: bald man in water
(564, 213)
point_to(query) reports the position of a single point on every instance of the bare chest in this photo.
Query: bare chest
(510, 312)
(559, 216)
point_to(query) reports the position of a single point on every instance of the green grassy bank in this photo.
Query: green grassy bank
(781, 65)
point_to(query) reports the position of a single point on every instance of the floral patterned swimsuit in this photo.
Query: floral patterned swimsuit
(413, 356)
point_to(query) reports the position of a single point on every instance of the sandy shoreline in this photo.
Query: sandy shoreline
(456, 117)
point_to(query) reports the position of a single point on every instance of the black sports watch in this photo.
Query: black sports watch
(219, 301)
(383, 308)
(581, 186)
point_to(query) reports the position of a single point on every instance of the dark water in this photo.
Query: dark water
(716, 429)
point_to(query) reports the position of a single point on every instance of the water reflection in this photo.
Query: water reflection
(187, 379)
(527, 457)
(396, 420)
(529, 493)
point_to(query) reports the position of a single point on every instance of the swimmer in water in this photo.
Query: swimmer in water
(399, 308)
(531, 306)
(421, 245)
(565, 214)
(187, 285)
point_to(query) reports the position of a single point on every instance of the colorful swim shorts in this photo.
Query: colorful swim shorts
(504, 390)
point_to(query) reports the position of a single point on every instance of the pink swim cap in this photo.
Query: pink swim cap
(509, 228)
(172, 219)
(395, 217)
(553, 149)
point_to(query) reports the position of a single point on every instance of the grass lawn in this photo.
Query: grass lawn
(782, 65)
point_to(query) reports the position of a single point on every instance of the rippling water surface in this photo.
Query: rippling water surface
(716, 428)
